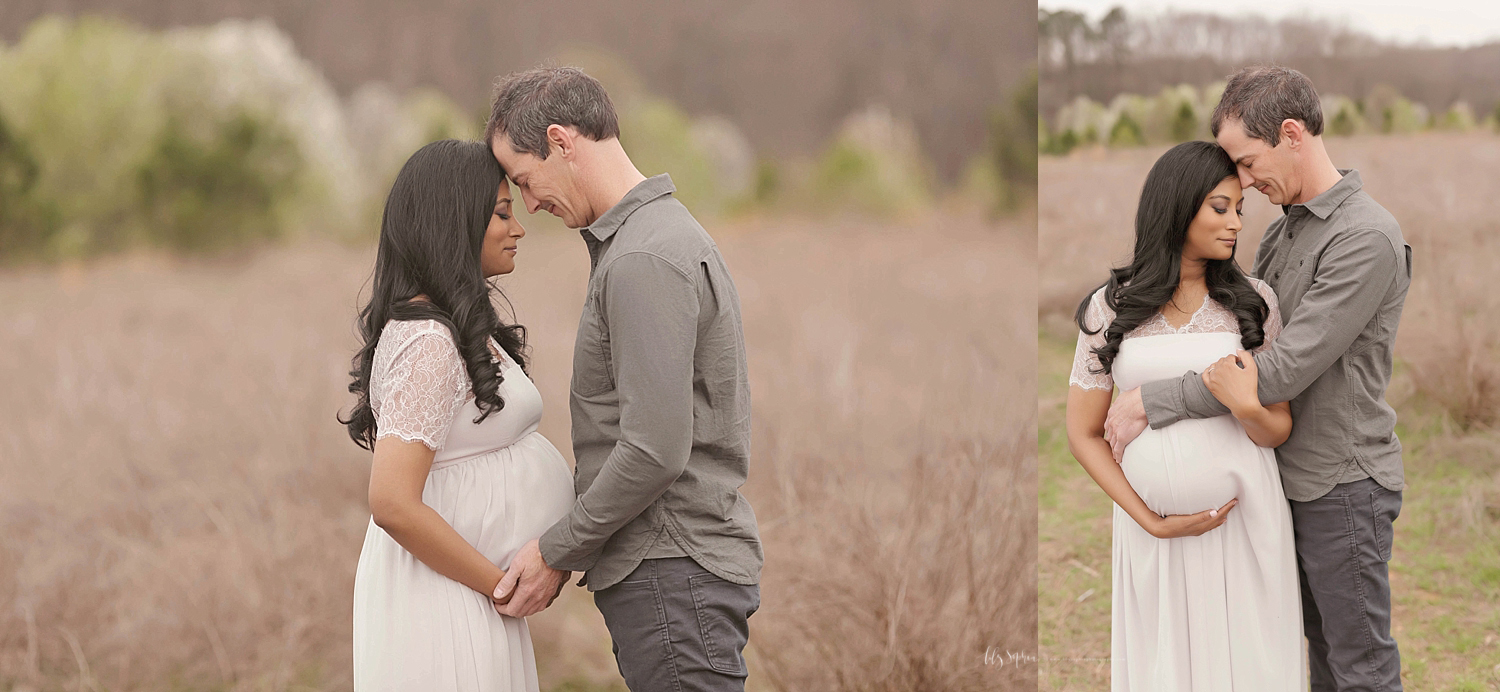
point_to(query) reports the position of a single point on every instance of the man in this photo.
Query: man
(660, 401)
(1341, 270)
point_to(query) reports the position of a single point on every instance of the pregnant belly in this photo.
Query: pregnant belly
(539, 484)
(1190, 466)
(505, 498)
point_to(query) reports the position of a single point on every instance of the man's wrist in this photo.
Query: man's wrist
(540, 555)
(1161, 403)
(1194, 400)
(556, 545)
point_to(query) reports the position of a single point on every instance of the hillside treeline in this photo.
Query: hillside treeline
(1182, 113)
(1122, 53)
(787, 72)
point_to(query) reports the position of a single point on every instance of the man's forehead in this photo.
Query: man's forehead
(1235, 140)
(501, 145)
(505, 152)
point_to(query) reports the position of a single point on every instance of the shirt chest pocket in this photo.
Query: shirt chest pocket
(1297, 276)
(591, 358)
(1292, 278)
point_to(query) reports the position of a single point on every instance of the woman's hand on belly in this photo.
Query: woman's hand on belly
(1180, 525)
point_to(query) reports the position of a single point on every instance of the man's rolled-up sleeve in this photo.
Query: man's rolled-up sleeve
(1354, 273)
(652, 309)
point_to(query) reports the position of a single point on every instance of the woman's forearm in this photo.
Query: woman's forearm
(427, 536)
(1267, 426)
(1093, 453)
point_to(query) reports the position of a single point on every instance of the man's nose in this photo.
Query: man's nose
(531, 204)
(1245, 179)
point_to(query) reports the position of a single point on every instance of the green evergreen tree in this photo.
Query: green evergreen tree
(1126, 132)
(1184, 125)
(26, 226)
(1342, 124)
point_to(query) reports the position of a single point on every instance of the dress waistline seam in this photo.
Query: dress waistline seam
(439, 465)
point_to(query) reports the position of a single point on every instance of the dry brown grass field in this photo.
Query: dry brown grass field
(1445, 572)
(179, 509)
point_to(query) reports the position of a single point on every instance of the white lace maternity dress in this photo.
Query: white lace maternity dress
(1218, 612)
(499, 483)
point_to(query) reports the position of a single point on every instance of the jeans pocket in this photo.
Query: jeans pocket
(1385, 505)
(723, 609)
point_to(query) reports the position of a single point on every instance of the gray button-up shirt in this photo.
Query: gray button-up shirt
(660, 401)
(1340, 269)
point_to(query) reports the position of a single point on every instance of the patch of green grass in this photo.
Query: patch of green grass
(582, 685)
(1073, 561)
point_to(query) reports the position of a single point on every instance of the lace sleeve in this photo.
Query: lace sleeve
(418, 382)
(1085, 363)
(1272, 327)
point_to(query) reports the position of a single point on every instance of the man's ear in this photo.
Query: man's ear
(1293, 132)
(561, 138)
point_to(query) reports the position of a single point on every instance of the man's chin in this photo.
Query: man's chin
(569, 222)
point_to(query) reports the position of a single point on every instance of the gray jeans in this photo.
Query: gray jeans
(678, 627)
(1343, 545)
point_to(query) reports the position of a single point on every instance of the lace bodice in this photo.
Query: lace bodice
(418, 381)
(1211, 318)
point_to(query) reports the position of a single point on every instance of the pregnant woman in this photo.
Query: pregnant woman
(461, 478)
(1204, 578)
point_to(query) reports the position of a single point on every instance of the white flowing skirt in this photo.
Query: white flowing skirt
(415, 629)
(1220, 612)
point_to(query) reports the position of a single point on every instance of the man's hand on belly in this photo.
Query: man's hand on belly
(1125, 422)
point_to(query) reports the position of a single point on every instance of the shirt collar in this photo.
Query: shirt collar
(1324, 204)
(645, 191)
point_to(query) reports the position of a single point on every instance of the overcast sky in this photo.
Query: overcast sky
(1439, 22)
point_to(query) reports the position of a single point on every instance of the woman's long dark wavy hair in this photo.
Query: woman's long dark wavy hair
(1174, 192)
(430, 240)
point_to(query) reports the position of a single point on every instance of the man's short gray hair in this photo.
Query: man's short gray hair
(1262, 97)
(527, 103)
